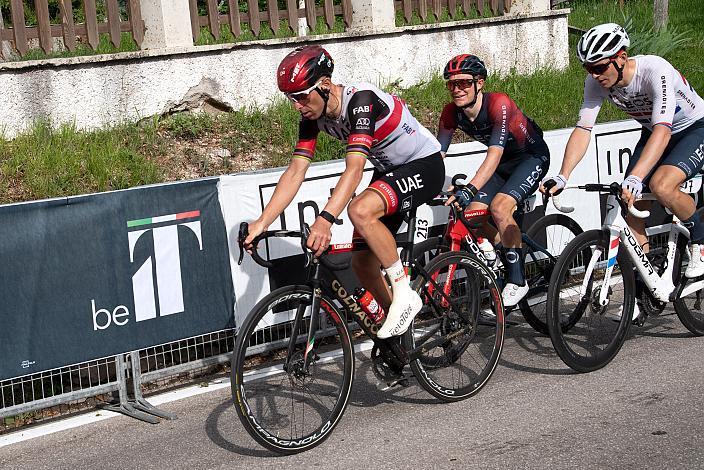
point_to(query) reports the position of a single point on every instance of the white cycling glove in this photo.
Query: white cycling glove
(557, 182)
(634, 185)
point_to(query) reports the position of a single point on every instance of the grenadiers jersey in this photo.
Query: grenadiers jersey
(374, 124)
(657, 95)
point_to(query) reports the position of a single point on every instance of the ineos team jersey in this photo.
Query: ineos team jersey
(374, 124)
(657, 95)
(499, 123)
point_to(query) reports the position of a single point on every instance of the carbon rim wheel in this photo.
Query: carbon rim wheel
(553, 233)
(284, 407)
(596, 331)
(463, 337)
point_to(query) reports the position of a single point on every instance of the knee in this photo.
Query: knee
(663, 188)
(501, 211)
(356, 213)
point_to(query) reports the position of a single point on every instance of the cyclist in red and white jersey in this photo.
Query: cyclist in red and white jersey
(516, 159)
(671, 147)
(409, 171)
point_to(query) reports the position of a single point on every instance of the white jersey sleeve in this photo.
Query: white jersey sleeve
(662, 91)
(594, 96)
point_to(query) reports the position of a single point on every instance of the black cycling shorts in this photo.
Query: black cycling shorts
(684, 151)
(518, 177)
(407, 187)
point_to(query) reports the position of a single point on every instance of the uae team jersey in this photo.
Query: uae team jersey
(657, 95)
(499, 123)
(374, 124)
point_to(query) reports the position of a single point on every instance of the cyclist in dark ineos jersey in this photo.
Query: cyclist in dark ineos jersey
(671, 146)
(409, 171)
(516, 159)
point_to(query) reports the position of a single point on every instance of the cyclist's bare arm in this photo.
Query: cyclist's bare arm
(652, 152)
(320, 233)
(288, 185)
(347, 185)
(574, 153)
(488, 166)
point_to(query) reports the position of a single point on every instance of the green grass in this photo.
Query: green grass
(47, 163)
(52, 162)
(105, 46)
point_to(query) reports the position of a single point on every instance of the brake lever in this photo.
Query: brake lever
(457, 178)
(241, 237)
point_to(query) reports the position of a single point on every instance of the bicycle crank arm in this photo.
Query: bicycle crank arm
(415, 353)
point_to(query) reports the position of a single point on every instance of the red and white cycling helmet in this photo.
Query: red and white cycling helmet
(303, 68)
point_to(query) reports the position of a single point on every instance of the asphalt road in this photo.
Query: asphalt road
(644, 410)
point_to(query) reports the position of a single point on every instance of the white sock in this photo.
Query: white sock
(397, 276)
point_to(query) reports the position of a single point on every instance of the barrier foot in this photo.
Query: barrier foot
(128, 410)
(143, 405)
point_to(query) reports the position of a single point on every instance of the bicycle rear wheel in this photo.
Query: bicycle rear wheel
(585, 334)
(458, 335)
(282, 406)
(688, 308)
(551, 233)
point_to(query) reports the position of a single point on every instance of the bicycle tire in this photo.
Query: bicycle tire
(272, 403)
(577, 345)
(539, 268)
(689, 309)
(427, 250)
(475, 336)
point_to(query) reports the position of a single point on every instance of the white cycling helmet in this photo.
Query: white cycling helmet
(602, 41)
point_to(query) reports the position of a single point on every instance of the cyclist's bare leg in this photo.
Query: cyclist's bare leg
(638, 225)
(486, 230)
(502, 208)
(665, 184)
(367, 267)
(365, 211)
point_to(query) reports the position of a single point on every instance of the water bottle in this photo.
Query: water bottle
(370, 306)
(487, 250)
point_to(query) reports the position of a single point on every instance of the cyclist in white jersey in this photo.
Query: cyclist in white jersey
(671, 147)
(409, 171)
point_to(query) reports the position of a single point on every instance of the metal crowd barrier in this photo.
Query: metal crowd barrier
(117, 380)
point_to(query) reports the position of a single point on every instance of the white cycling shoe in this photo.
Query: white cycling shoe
(695, 268)
(403, 310)
(513, 293)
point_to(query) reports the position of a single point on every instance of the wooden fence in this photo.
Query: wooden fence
(19, 35)
(253, 17)
(468, 8)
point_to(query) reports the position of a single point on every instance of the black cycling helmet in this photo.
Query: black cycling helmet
(465, 63)
(302, 68)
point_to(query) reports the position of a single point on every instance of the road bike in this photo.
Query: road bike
(592, 291)
(542, 243)
(293, 361)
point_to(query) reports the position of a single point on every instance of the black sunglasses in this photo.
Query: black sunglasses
(598, 69)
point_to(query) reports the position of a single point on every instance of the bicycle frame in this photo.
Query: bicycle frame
(391, 349)
(620, 234)
(457, 233)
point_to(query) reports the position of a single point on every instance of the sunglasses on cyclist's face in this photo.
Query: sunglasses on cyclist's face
(598, 69)
(302, 96)
(462, 83)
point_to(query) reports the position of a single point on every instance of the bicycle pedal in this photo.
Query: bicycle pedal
(402, 381)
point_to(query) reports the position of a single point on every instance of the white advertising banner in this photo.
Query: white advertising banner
(243, 197)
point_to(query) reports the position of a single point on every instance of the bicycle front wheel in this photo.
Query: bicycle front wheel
(547, 238)
(586, 333)
(285, 406)
(455, 341)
